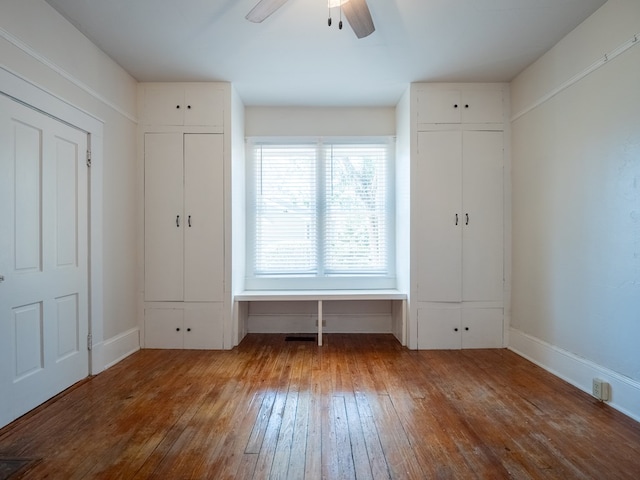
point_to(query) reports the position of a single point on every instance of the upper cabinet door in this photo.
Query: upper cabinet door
(459, 105)
(203, 105)
(163, 104)
(179, 104)
(482, 106)
(439, 106)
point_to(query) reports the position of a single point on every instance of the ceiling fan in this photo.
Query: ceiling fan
(356, 11)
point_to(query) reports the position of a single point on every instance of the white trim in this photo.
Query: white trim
(30, 94)
(578, 371)
(120, 347)
(63, 73)
(607, 57)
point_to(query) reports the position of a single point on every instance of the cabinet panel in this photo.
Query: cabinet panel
(439, 106)
(203, 326)
(203, 105)
(178, 104)
(452, 327)
(482, 328)
(163, 328)
(439, 208)
(482, 193)
(482, 106)
(163, 105)
(463, 105)
(163, 216)
(204, 210)
(439, 328)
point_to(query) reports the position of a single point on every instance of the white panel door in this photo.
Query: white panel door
(204, 210)
(163, 217)
(439, 216)
(43, 258)
(482, 216)
(482, 327)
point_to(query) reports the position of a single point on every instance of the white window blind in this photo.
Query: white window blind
(320, 214)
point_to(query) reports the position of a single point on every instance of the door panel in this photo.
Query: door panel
(204, 210)
(482, 244)
(439, 213)
(163, 217)
(44, 297)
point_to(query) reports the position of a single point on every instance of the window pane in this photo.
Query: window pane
(356, 214)
(286, 210)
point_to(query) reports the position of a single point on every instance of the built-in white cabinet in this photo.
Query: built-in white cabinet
(448, 104)
(183, 150)
(457, 204)
(451, 327)
(461, 209)
(183, 104)
(188, 325)
(184, 215)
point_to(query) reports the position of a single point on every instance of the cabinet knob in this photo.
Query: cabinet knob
(177, 329)
(188, 107)
(188, 329)
(466, 329)
(178, 107)
(466, 106)
(455, 106)
(455, 329)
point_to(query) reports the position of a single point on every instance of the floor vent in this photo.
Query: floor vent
(297, 338)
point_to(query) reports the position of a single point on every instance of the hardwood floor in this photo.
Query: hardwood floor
(360, 407)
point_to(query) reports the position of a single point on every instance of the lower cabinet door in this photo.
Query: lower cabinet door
(163, 328)
(439, 328)
(452, 326)
(203, 326)
(184, 325)
(482, 327)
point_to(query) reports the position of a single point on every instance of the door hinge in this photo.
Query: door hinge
(89, 342)
(88, 158)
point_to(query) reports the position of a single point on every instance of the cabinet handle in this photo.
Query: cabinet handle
(188, 329)
(455, 329)
(178, 107)
(455, 106)
(188, 107)
(466, 106)
(456, 219)
(466, 329)
(177, 329)
(189, 221)
(177, 220)
(466, 222)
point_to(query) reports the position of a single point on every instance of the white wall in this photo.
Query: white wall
(39, 45)
(576, 205)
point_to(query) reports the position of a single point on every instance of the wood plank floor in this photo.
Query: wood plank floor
(360, 407)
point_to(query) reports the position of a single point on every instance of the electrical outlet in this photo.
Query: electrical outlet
(601, 389)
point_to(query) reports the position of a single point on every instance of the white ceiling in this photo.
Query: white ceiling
(293, 58)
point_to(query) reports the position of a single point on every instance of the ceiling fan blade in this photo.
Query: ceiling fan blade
(263, 9)
(359, 17)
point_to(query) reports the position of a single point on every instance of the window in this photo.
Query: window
(321, 214)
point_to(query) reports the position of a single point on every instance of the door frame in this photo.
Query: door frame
(30, 94)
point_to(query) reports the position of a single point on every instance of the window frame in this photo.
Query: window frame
(319, 281)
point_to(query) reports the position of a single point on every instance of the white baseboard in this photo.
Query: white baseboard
(120, 347)
(578, 371)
